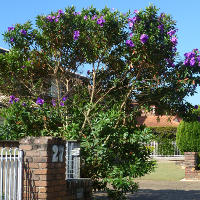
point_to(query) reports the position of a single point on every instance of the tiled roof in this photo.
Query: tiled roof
(158, 121)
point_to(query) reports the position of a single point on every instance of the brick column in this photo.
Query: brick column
(44, 176)
(191, 165)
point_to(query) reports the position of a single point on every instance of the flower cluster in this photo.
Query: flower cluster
(173, 38)
(13, 99)
(192, 58)
(161, 27)
(196, 107)
(94, 17)
(170, 62)
(101, 21)
(76, 34)
(40, 101)
(55, 18)
(129, 43)
(23, 32)
(144, 38)
(11, 28)
(77, 13)
(132, 21)
(63, 100)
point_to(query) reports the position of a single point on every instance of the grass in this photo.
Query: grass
(166, 171)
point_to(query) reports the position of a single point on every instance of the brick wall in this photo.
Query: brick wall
(43, 178)
(191, 171)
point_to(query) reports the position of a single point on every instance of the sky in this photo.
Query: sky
(184, 12)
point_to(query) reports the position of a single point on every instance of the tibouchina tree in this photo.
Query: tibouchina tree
(123, 58)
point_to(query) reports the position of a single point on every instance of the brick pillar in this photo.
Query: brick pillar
(191, 165)
(44, 176)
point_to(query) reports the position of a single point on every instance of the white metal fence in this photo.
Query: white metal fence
(159, 150)
(11, 174)
(72, 160)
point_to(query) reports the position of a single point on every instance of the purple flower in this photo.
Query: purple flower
(198, 58)
(196, 107)
(129, 43)
(186, 61)
(16, 99)
(53, 17)
(49, 18)
(12, 39)
(144, 38)
(12, 98)
(56, 20)
(88, 72)
(23, 66)
(85, 17)
(161, 27)
(174, 49)
(24, 104)
(192, 61)
(195, 50)
(134, 19)
(94, 17)
(162, 15)
(77, 13)
(53, 103)
(189, 55)
(60, 12)
(23, 32)
(76, 34)
(40, 101)
(131, 34)
(136, 11)
(101, 21)
(11, 28)
(62, 103)
(64, 98)
(131, 24)
(174, 40)
(170, 62)
(171, 33)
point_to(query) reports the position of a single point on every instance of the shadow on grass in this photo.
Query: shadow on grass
(146, 194)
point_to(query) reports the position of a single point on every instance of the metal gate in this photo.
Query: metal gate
(72, 160)
(11, 174)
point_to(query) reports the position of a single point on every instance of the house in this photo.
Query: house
(60, 88)
(2, 50)
(151, 119)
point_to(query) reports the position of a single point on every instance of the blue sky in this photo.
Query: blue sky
(185, 12)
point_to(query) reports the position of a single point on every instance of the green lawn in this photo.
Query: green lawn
(166, 171)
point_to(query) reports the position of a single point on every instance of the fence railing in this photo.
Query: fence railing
(160, 150)
(11, 174)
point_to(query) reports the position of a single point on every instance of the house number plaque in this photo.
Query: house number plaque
(58, 151)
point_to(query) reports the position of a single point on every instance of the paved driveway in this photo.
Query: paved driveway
(163, 190)
(167, 190)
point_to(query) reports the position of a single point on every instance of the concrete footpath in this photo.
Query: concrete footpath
(163, 190)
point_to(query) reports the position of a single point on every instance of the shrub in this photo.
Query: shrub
(165, 136)
(164, 132)
(188, 136)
